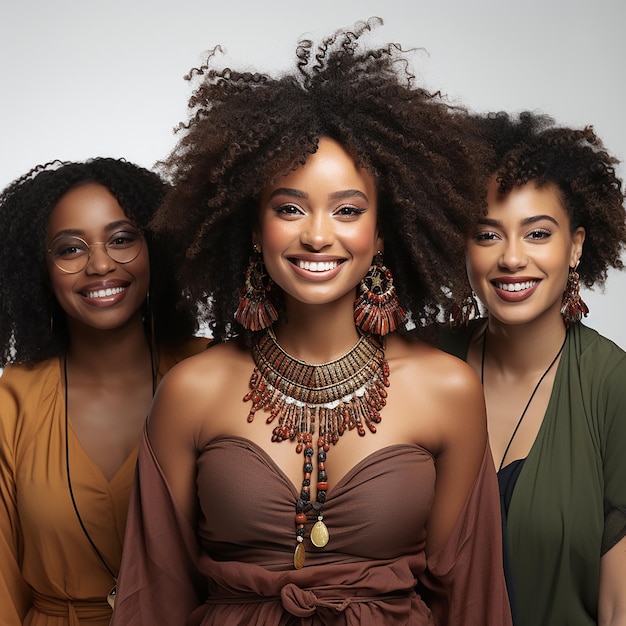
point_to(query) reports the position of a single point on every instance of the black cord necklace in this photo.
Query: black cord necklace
(111, 595)
(532, 395)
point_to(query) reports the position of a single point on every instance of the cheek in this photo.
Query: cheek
(275, 238)
(61, 286)
(140, 268)
(364, 241)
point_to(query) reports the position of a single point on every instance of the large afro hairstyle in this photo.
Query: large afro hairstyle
(245, 129)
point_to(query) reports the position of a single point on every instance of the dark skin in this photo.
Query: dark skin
(109, 372)
(201, 398)
(109, 394)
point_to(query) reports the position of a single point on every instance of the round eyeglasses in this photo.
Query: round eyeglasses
(71, 254)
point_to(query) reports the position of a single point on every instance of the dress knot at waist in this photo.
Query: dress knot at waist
(301, 602)
(305, 602)
(74, 610)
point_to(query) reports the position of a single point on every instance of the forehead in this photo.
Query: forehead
(88, 206)
(331, 166)
(525, 202)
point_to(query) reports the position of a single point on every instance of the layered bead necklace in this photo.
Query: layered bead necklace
(328, 399)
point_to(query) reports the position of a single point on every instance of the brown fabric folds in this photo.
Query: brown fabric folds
(238, 569)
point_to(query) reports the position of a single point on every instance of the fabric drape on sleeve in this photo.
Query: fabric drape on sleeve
(159, 581)
(471, 561)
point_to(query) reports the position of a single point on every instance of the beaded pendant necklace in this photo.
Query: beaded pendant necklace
(328, 399)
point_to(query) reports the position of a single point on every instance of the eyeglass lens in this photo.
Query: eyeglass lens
(71, 254)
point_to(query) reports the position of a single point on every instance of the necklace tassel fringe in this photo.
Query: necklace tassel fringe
(328, 399)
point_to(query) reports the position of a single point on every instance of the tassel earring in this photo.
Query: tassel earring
(377, 309)
(573, 306)
(465, 311)
(255, 310)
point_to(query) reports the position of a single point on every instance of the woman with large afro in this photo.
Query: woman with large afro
(317, 466)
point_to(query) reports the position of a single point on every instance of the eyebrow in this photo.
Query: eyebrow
(487, 221)
(337, 195)
(108, 228)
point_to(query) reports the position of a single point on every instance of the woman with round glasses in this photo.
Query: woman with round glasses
(85, 334)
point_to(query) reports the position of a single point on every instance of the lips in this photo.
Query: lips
(104, 293)
(316, 266)
(521, 286)
(512, 290)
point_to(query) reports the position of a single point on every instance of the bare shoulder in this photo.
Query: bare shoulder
(195, 387)
(201, 372)
(443, 373)
(446, 391)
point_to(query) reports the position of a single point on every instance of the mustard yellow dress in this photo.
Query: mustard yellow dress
(49, 573)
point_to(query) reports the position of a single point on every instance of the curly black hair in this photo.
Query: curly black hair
(27, 304)
(245, 129)
(530, 147)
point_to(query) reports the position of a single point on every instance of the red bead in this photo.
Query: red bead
(301, 518)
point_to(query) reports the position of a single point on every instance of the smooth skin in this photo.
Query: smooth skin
(318, 234)
(525, 239)
(108, 361)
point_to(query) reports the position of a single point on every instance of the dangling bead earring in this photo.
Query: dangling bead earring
(377, 309)
(463, 312)
(572, 306)
(255, 310)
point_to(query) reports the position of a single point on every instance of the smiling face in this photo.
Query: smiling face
(520, 253)
(317, 227)
(104, 294)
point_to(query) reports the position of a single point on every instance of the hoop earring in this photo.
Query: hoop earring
(256, 311)
(377, 309)
(573, 306)
(463, 312)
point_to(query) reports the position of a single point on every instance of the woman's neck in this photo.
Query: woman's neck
(110, 353)
(525, 348)
(317, 334)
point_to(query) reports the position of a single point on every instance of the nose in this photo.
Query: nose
(513, 255)
(317, 231)
(99, 261)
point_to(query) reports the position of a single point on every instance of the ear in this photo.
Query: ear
(578, 238)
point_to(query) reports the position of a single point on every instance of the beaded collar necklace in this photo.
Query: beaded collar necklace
(329, 399)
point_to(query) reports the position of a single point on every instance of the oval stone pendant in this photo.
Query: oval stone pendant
(319, 534)
(299, 555)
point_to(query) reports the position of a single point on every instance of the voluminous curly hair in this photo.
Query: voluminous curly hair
(246, 129)
(28, 307)
(530, 147)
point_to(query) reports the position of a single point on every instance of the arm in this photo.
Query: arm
(612, 590)
(463, 439)
(612, 596)
(15, 599)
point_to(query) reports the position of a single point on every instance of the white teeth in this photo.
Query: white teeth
(516, 286)
(317, 266)
(103, 293)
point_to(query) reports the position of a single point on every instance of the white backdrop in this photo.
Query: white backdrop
(84, 78)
